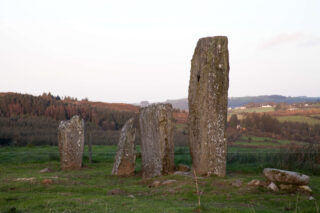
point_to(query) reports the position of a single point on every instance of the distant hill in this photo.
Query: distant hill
(241, 101)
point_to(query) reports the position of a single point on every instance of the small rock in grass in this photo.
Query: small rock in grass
(305, 189)
(255, 182)
(182, 173)
(131, 196)
(167, 182)
(115, 192)
(45, 170)
(237, 183)
(47, 181)
(155, 183)
(311, 198)
(272, 186)
(183, 168)
(25, 179)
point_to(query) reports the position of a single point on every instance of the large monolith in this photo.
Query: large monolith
(125, 159)
(208, 100)
(71, 143)
(157, 147)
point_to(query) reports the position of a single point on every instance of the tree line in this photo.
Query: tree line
(54, 107)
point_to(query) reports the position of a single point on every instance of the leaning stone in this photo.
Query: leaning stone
(208, 100)
(157, 147)
(287, 177)
(272, 186)
(183, 168)
(168, 182)
(71, 143)
(125, 159)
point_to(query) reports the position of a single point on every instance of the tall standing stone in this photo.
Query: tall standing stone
(208, 100)
(71, 143)
(157, 147)
(125, 159)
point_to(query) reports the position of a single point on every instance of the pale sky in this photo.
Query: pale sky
(129, 51)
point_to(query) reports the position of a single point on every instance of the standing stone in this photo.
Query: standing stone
(71, 143)
(208, 100)
(157, 147)
(125, 159)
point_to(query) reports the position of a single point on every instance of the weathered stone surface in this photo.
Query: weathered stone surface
(305, 188)
(47, 181)
(208, 99)
(71, 143)
(255, 182)
(157, 147)
(272, 186)
(45, 170)
(311, 198)
(125, 159)
(25, 179)
(287, 177)
(288, 187)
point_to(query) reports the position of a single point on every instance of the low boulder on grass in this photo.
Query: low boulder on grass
(285, 177)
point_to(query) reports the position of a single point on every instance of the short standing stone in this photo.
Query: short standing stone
(157, 148)
(208, 99)
(286, 177)
(125, 159)
(71, 143)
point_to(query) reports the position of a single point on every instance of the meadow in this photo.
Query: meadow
(309, 119)
(94, 189)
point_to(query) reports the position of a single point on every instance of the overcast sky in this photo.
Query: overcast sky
(129, 51)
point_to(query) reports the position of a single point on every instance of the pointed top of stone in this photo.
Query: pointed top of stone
(74, 122)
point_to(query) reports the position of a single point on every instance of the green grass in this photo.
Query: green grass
(253, 109)
(299, 118)
(87, 190)
(265, 143)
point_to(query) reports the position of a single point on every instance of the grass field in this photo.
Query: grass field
(265, 143)
(88, 189)
(300, 118)
(252, 109)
